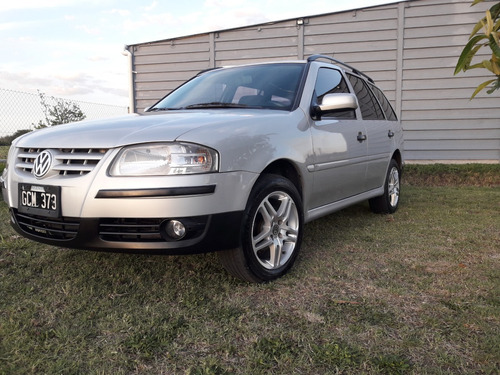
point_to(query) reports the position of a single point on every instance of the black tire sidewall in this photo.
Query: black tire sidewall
(390, 208)
(382, 203)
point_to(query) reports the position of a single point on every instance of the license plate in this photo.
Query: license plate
(40, 200)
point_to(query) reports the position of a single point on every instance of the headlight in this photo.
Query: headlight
(163, 159)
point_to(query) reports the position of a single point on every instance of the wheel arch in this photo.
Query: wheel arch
(398, 157)
(287, 169)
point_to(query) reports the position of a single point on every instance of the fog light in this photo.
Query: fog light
(175, 229)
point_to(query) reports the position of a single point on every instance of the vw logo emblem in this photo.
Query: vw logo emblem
(42, 164)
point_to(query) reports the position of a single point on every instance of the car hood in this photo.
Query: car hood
(130, 129)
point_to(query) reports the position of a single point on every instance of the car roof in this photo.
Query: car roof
(337, 63)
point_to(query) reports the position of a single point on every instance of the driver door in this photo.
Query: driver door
(338, 145)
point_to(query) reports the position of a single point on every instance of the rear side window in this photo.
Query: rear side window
(330, 81)
(386, 106)
(370, 109)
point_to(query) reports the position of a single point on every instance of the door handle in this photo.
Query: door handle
(361, 137)
(390, 134)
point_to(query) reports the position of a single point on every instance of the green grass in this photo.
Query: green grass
(453, 175)
(3, 152)
(3, 155)
(416, 292)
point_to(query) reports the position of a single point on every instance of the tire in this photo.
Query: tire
(272, 232)
(388, 202)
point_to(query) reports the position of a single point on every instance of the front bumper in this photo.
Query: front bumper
(135, 235)
(130, 214)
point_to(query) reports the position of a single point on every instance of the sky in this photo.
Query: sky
(73, 48)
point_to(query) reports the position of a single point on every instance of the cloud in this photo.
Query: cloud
(223, 3)
(33, 4)
(229, 18)
(8, 5)
(153, 5)
(155, 24)
(97, 58)
(76, 85)
(120, 12)
(163, 20)
(20, 80)
(91, 30)
(7, 26)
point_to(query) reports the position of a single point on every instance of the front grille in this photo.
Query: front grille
(52, 228)
(130, 230)
(67, 161)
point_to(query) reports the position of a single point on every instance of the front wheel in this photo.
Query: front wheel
(388, 202)
(272, 232)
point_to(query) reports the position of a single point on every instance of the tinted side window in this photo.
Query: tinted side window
(386, 106)
(330, 81)
(370, 109)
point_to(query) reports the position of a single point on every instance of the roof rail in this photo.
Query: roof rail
(354, 70)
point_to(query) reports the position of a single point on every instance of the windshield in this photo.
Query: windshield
(272, 86)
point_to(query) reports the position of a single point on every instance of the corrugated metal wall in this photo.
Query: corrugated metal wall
(409, 48)
(441, 121)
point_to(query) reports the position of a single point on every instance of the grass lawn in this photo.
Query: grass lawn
(417, 292)
(3, 152)
(3, 156)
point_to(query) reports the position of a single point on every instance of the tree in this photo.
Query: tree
(7, 140)
(489, 37)
(63, 112)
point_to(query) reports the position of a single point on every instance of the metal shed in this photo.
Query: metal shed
(410, 48)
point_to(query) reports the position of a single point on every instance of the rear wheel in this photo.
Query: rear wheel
(388, 202)
(272, 232)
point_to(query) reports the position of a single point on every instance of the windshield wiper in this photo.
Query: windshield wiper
(215, 105)
(200, 105)
(157, 109)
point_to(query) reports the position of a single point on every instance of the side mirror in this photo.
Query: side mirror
(334, 102)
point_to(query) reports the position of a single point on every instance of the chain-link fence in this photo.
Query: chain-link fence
(24, 111)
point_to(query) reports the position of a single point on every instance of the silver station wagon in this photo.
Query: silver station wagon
(237, 159)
